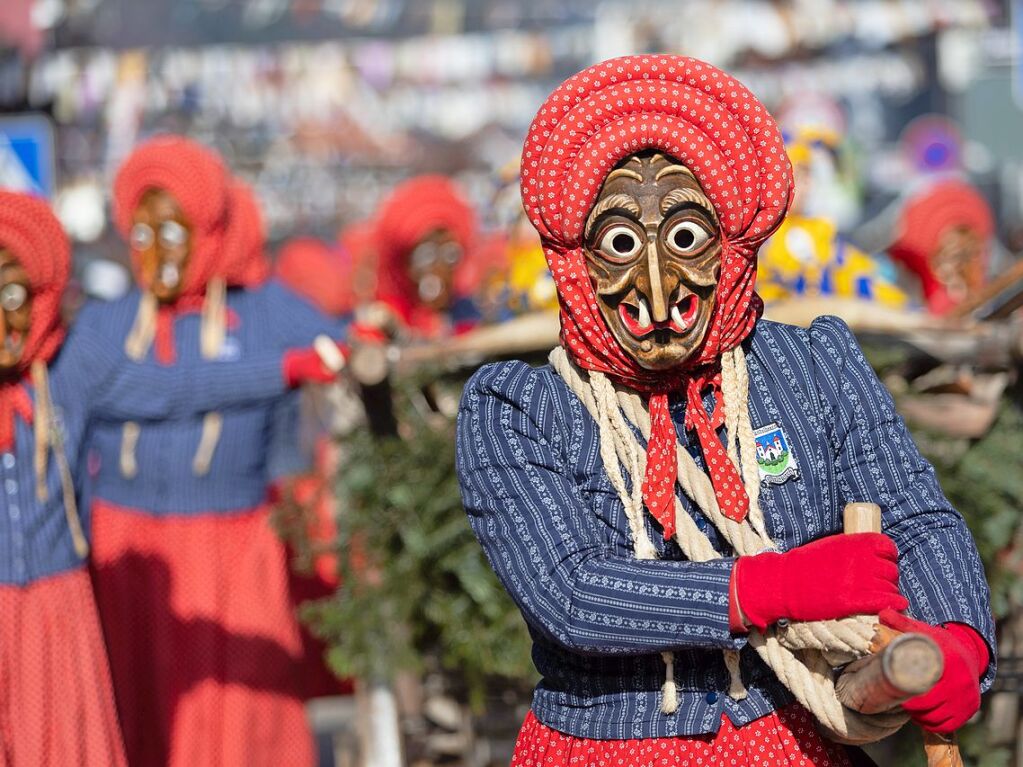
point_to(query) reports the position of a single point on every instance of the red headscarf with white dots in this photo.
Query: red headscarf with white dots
(32, 234)
(710, 122)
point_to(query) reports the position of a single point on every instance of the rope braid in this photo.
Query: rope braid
(48, 435)
(803, 655)
(212, 332)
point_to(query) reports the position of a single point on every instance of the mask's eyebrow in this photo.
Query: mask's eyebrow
(624, 173)
(614, 201)
(672, 170)
(685, 194)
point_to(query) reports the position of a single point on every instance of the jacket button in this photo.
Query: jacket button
(712, 698)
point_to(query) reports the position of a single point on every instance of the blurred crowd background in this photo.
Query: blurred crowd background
(325, 104)
(900, 115)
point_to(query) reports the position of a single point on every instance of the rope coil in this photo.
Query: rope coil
(803, 655)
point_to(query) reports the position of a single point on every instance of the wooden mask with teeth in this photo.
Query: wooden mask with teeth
(653, 253)
(161, 237)
(432, 264)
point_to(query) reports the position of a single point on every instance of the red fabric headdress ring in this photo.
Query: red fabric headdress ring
(926, 218)
(710, 122)
(36, 239)
(244, 262)
(195, 176)
(413, 210)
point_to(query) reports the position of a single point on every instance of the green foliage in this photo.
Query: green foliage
(985, 483)
(417, 590)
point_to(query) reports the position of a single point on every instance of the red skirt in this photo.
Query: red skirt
(56, 703)
(785, 737)
(205, 648)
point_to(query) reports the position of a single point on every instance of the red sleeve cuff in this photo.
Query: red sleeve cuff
(974, 642)
(735, 622)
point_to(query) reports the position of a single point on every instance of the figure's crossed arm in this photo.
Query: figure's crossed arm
(543, 540)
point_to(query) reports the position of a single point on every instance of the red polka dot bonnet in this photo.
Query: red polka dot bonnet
(706, 119)
(244, 262)
(32, 234)
(195, 176)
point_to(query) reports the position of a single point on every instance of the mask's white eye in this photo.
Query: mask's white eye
(172, 235)
(13, 296)
(142, 236)
(450, 253)
(423, 255)
(687, 237)
(620, 242)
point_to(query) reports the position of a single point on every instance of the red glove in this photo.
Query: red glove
(833, 577)
(956, 696)
(301, 366)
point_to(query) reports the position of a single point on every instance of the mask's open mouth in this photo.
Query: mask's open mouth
(170, 275)
(636, 317)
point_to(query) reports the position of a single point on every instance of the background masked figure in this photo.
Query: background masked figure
(57, 706)
(943, 236)
(680, 459)
(425, 242)
(191, 581)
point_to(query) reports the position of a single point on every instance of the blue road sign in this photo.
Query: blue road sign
(27, 154)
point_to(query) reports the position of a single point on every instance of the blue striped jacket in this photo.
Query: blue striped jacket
(270, 320)
(89, 376)
(554, 530)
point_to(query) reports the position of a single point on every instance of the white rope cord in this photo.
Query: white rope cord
(804, 655)
(48, 435)
(212, 333)
(136, 346)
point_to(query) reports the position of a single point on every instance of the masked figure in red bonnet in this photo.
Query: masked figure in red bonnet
(670, 487)
(425, 243)
(191, 580)
(57, 707)
(943, 237)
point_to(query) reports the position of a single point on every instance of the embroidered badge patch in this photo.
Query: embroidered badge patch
(774, 455)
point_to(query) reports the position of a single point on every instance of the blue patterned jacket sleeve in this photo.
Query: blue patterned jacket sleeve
(543, 539)
(117, 388)
(877, 460)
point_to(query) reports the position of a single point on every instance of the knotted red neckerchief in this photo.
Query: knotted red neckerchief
(31, 233)
(14, 401)
(164, 347)
(724, 135)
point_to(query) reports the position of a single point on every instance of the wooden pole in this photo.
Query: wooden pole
(889, 671)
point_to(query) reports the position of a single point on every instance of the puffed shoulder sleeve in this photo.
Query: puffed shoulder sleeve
(542, 539)
(876, 460)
